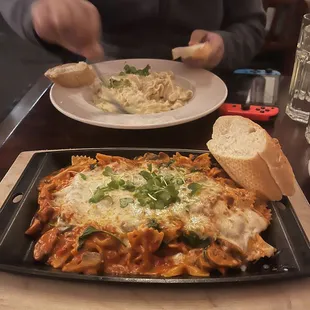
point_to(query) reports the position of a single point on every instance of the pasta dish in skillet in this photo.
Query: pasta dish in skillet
(154, 215)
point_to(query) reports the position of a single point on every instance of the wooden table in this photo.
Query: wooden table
(46, 128)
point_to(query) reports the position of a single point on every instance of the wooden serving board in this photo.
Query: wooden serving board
(25, 293)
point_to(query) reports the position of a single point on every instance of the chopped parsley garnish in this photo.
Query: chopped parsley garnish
(91, 230)
(133, 70)
(119, 83)
(83, 176)
(195, 188)
(124, 202)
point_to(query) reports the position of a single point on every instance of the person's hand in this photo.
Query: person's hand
(72, 24)
(211, 54)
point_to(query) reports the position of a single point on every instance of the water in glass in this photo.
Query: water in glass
(308, 135)
(298, 107)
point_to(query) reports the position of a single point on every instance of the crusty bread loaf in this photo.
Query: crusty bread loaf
(251, 157)
(201, 50)
(72, 75)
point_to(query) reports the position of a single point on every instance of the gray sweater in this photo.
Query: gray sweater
(151, 28)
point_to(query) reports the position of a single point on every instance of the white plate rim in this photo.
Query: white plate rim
(146, 126)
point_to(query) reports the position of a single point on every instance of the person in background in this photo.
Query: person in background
(119, 29)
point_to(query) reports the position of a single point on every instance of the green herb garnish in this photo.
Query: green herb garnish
(91, 230)
(92, 166)
(195, 188)
(129, 186)
(124, 202)
(149, 167)
(158, 192)
(153, 224)
(193, 240)
(119, 83)
(133, 70)
(100, 194)
(108, 171)
(83, 176)
(195, 169)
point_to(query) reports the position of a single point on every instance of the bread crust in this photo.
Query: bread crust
(72, 75)
(268, 173)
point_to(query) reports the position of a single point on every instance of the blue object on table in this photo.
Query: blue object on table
(257, 72)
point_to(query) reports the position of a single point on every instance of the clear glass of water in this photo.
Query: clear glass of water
(298, 107)
(308, 136)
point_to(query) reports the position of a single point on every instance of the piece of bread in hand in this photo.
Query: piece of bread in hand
(72, 75)
(201, 51)
(251, 157)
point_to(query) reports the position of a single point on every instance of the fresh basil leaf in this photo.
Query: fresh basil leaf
(195, 188)
(83, 176)
(154, 224)
(124, 202)
(108, 171)
(91, 230)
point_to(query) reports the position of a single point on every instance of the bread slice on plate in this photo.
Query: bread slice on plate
(201, 50)
(251, 157)
(72, 75)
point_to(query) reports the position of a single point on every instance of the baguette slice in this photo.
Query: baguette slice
(251, 157)
(72, 75)
(201, 50)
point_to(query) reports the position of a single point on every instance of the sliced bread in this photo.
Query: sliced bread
(201, 50)
(72, 75)
(251, 157)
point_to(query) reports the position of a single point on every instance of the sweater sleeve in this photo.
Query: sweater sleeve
(243, 32)
(17, 13)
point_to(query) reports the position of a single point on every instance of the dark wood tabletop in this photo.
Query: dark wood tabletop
(46, 128)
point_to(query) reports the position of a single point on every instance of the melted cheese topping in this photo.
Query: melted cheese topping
(206, 213)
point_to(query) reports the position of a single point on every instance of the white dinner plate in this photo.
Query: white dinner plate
(209, 93)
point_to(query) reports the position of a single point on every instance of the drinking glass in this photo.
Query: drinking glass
(298, 107)
(308, 136)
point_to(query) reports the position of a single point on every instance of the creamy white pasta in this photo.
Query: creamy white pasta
(147, 93)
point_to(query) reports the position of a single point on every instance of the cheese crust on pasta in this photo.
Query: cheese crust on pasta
(154, 215)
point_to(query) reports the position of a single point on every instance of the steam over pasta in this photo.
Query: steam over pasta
(143, 92)
(154, 215)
